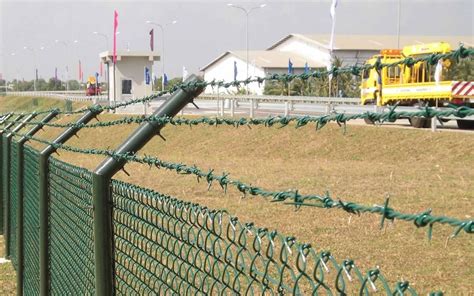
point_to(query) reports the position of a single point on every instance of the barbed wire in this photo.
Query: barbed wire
(460, 53)
(290, 197)
(341, 118)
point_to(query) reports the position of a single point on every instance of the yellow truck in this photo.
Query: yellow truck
(419, 85)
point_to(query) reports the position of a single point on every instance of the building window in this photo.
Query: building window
(126, 87)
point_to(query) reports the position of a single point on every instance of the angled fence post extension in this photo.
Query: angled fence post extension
(102, 175)
(19, 216)
(44, 196)
(5, 118)
(6, 142)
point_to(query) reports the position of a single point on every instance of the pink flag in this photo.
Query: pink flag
(101, 67)
(115, 35)
(80, 71)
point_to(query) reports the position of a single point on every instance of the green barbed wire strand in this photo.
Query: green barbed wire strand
(320, 121)
(292, 196)
(460, 53)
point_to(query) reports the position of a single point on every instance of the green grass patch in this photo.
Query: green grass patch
(30, 104)
(7, 274)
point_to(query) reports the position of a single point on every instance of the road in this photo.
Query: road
(210, 108)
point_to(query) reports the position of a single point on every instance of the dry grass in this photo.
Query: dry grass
(7, 274)
(419, 170)
(29, 104)
(429, 170)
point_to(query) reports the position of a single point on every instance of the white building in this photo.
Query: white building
(356, 49)
(261, 63)
(128, 82)
(314, 49)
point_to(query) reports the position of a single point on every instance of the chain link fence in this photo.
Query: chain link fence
(163, 245)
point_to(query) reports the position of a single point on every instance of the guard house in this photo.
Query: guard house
(127, 81)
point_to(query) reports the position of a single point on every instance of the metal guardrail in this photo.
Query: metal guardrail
(77, 96)
(80, 96)
(281, 99)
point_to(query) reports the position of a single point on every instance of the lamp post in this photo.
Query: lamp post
(162, 28)
(17, 74)
(67, 66)
(247, 11)
(34, 62)
(106, 70)
(106, 38)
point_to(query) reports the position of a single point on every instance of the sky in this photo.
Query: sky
(204, 29)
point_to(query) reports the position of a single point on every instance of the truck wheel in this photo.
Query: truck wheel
(369, 103)
(420, 122)
(465, 124)
(368, 121)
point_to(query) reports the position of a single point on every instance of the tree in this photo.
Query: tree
(460, 71)
(345, 84)
(41, 85)
(55, 84)
(74, 85)
(173, 82)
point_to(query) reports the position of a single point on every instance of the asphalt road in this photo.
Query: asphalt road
(210, 108)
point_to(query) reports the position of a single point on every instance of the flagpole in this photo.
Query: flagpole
(114, 57)
(331, 41)
(115, 88)
(162, 58)
(331, 51)
(144, 103)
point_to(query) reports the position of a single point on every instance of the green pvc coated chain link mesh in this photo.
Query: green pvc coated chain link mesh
(2, 201)
(166, 246)
(13, 202)
(31, 221)
(70, 229)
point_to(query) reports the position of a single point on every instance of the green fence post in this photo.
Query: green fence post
(44, 195)
(7, 127)
(102, 175)
(19, 228)
(6, 142)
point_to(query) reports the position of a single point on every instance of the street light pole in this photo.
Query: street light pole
(247, 12)
(68, 53)
(162, 48)
(67, 67)
(106, 39)
(34, 62)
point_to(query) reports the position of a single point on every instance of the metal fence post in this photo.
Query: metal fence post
(434, 122)
(287, 109)
(328, 108)
(251, 108)
(101, 194)
(6, 142)
(222, 107)
(7, 127)
(232, 106)
(19, 228)
(44, 195)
